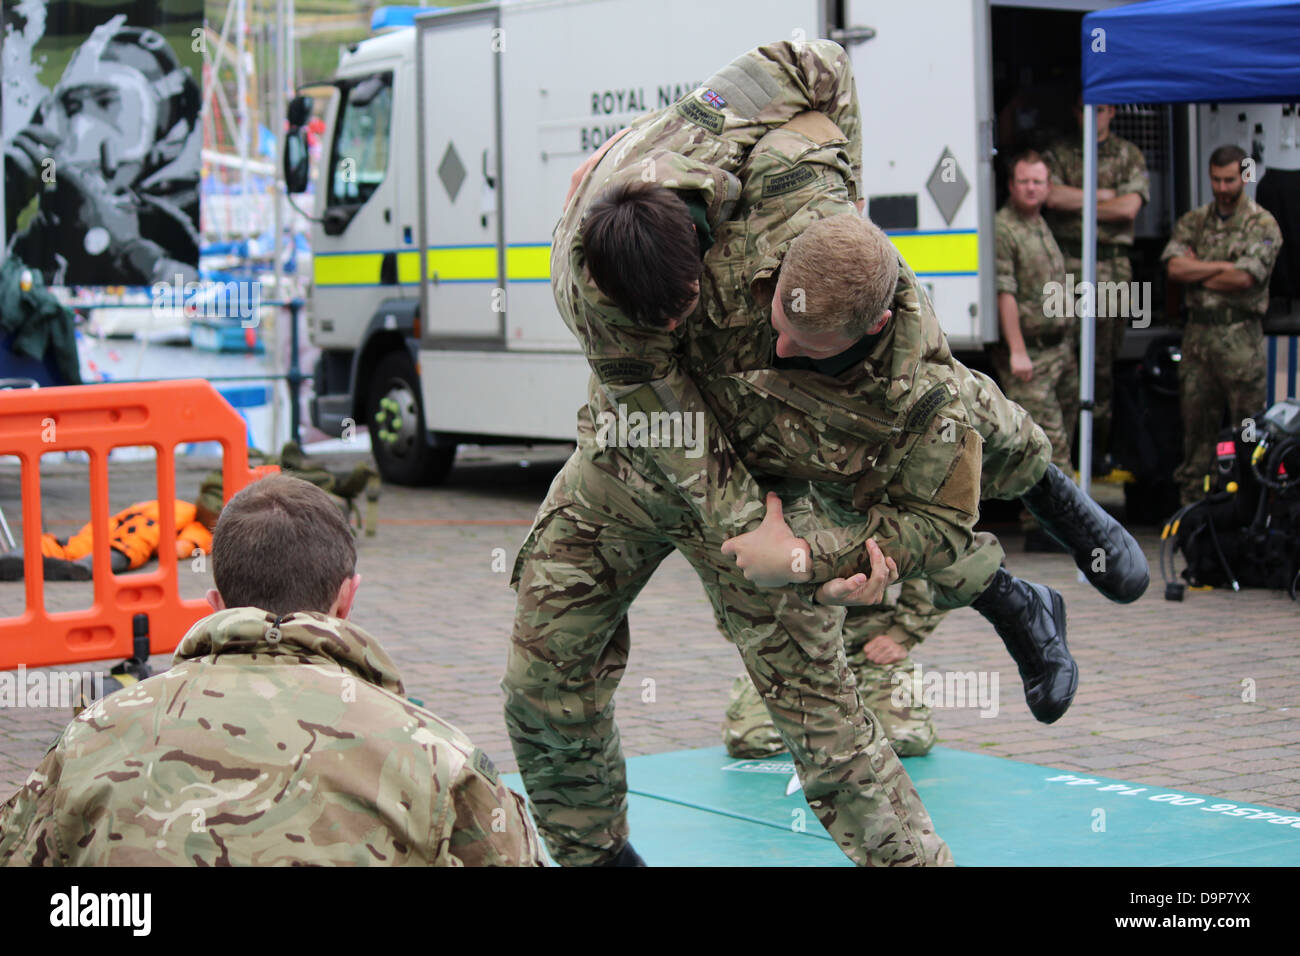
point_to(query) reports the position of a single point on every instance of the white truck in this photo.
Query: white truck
(450, 142)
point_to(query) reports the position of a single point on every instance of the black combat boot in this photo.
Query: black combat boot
(1030, 619)
(1081, 525)
(626, 857)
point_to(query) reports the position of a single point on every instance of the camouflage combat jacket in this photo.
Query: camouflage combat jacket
(891, 430)
(1120, 166)
(1250, 239)
(1028, 259)
(696, 146)
(255, 749)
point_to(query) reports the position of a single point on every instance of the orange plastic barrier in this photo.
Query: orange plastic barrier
(96, 419)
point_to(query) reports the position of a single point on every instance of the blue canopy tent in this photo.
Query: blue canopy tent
(1173, 51)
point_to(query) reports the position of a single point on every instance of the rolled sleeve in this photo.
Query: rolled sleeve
(1006, 263)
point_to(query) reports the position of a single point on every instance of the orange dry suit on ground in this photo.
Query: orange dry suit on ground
(136, 532)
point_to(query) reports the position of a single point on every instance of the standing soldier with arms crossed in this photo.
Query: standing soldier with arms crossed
(1223, 253)
(1122, 190)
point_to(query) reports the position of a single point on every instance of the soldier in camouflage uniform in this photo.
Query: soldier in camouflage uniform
(1224, 254)
(596, 540)
(1122, 190)
(614, 512)
(1015, 460)
(276, 738)
(1036, 359)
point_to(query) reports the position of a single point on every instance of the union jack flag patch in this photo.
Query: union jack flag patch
(713, 99)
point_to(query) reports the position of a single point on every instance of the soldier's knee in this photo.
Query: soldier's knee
(754, 744)
(747, 728)
(912, 738)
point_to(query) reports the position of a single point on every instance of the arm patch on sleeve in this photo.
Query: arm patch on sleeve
(699, 114)
(778, 184)
(925, 409)
(623, 371)
(484, 765)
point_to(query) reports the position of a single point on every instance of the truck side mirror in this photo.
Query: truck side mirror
(295, 160)
(300, 111)
(295, 145)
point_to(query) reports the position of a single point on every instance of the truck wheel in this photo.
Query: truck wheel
(398, 437)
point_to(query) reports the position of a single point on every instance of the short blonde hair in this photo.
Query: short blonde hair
(839, 275)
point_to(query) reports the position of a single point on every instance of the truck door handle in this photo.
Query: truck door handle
(491, 180)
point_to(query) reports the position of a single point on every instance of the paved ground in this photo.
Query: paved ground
(1201, 696)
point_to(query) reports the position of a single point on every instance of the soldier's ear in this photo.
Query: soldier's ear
(215, 601)
(342, 606)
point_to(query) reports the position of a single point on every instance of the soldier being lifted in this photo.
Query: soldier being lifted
(614, 513)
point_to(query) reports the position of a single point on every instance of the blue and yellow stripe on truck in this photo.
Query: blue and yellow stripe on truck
(929, 253)
(951, 252)
(525, 262)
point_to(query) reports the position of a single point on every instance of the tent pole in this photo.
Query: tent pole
(1088, 310)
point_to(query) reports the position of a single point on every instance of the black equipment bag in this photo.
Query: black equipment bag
(1246, 531)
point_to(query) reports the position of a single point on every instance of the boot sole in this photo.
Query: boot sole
(1058, 614)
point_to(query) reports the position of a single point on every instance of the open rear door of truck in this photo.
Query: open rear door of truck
(924, 84)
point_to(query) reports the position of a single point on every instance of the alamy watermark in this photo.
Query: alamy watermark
(234, 299)
(654, 430)
(20, 688)
(130, 910)
(1108, 300)
(946, 689)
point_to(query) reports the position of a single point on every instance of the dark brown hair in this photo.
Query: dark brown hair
(282, 545)
(1227, 156)
(642, 251)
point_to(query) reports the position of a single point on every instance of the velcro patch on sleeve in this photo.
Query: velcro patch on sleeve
(699, 114)
(484, 765)
(623, 371)
(961, 486)
(778, 184)
(746, 86)
(925, 409)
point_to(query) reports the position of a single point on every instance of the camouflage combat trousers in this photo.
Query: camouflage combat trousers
(1223, 367)
(747, 729)
(1051, 397)
(1110, 336)
(603, 529)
